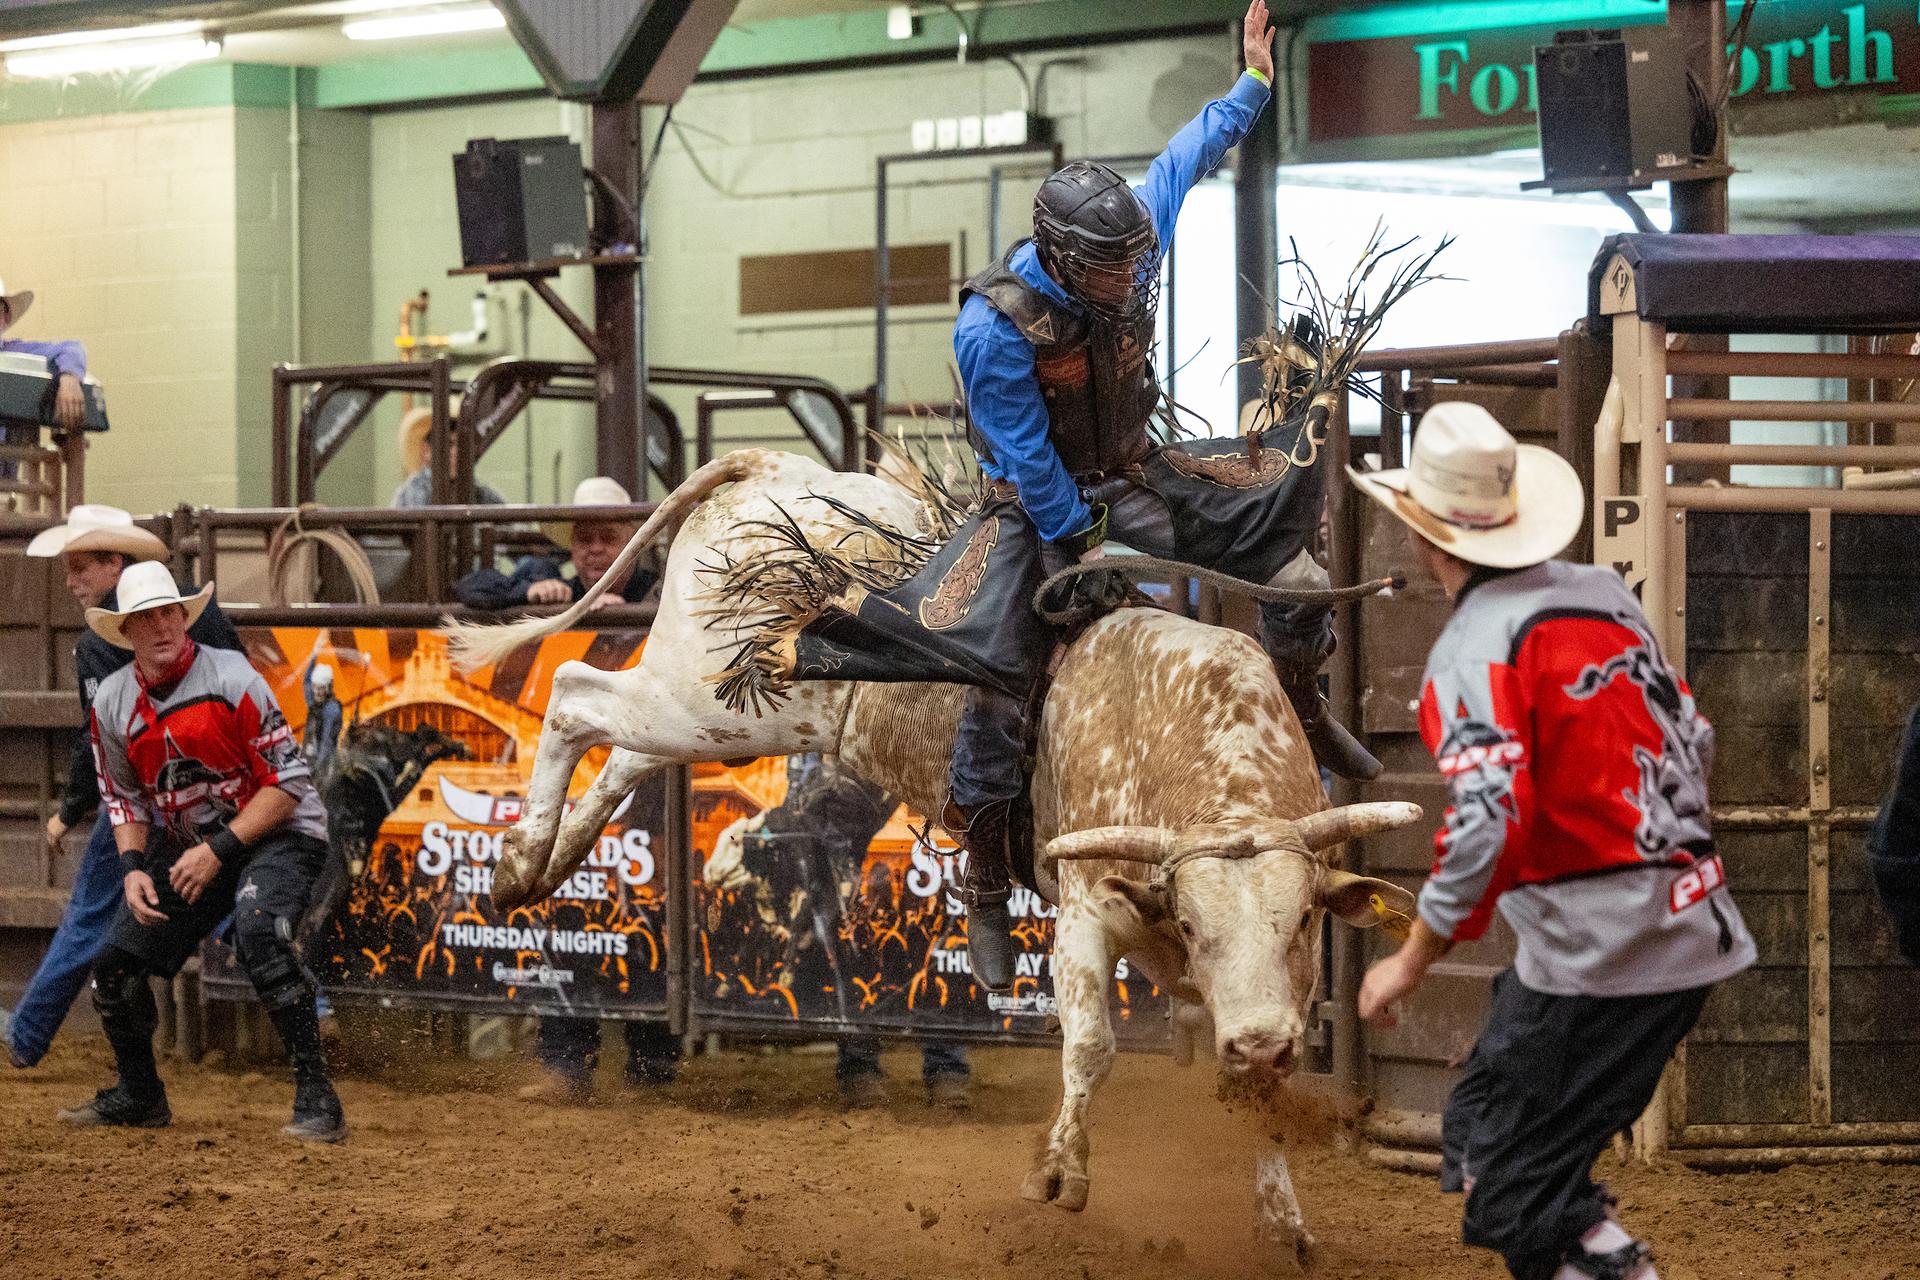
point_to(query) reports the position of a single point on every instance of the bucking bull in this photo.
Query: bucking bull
(1181, 814)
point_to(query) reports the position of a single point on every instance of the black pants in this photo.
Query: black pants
(1549, 1083)
(265, 894)
(571, 1046)
(992, 732)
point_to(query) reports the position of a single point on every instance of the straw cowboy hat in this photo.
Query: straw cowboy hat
(1473, 492)
(594, 491)
(416, 426)
(92, 527)
(17, 304)
(144, 586)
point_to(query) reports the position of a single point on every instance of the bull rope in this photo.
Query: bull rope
(1153, 568)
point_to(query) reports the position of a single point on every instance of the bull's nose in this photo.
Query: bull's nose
(1258, 1052)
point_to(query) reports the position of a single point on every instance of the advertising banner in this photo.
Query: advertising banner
(424, 770)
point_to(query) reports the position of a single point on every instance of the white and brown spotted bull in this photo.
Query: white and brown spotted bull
(1188, 828)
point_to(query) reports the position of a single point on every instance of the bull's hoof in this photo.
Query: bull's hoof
(1049, 1184)
(516, 877)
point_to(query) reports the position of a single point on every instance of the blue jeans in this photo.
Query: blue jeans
(860, 1056)
(64, 970)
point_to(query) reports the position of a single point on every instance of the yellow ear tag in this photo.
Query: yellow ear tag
(1398, 925)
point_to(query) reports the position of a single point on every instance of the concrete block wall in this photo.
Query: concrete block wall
(123, 225)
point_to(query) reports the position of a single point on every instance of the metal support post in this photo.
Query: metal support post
(616, 311)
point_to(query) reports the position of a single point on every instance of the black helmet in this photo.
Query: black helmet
(1097, 239)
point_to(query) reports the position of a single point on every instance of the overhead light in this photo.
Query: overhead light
(424, 22)
(67, 39)
(125, 55)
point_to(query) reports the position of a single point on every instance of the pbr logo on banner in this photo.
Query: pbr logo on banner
(425, 770)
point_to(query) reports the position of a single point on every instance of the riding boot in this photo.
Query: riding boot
(1297, 657)
(317, 1114)
(982, 832)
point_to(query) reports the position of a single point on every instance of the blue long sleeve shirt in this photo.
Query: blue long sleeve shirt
(67, 357)
(996, 361)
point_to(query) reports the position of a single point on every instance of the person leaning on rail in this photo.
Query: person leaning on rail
(214, 813)
(1576, 763)
(568, 1049)
(592, 546)
(95, 546)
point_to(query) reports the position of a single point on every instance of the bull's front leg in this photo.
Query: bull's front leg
(1278, 1222)
(1083, 957)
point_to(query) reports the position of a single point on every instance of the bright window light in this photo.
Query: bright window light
(123, 56)
(424, 22)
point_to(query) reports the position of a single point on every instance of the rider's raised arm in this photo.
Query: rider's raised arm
(1197, 148)
(1004, 401)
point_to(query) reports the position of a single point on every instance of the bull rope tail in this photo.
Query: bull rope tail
(1155, 569)
(473, 645)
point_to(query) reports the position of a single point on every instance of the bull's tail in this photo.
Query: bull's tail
(475, 644)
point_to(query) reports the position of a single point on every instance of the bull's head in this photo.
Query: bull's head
(1242, 901)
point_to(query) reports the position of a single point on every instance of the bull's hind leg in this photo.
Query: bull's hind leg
(1083, 959)
(581, 827)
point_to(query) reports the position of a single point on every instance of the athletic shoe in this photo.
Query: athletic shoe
(317, 1115)
(951, 1091)
(558, 1089)
(115, 1106)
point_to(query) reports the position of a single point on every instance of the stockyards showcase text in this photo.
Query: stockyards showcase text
(429, 774)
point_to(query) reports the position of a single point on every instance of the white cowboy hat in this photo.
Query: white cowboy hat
(1473, 492)
(594, 491)
(322, 676)
(92, 527)
(144, 586)
(17, 304)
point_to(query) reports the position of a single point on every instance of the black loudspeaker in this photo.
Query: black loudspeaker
(1615, 110)
(521, 200)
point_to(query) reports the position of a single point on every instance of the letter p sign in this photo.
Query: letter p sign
(1620, 539)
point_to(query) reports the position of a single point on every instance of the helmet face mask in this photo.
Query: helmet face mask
(1098, 240)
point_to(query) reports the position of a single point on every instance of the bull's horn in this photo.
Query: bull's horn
(1351, 821)
(1124, 844)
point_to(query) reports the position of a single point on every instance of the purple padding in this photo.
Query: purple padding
(1768, 284)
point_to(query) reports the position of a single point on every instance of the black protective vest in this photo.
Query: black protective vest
(1098, 380)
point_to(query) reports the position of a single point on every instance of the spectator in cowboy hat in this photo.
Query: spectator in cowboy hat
(69, 358)
(95, 545)
(416, 455)
(592, 545)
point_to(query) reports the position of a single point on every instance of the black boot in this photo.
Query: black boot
(119, 1106)
(1333, 747)
(1298, 653)
(317, 1114)
(982, 832)
(123, 997)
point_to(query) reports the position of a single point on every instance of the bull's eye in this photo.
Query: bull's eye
(1305, 917)
(1186, 928)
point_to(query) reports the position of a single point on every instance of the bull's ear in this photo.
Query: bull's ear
(1142, 900)
(1363, 902)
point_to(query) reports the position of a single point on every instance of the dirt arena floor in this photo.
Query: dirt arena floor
(747, 1168)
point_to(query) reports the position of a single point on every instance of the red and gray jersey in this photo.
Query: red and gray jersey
(189, 757)
(1577, 765)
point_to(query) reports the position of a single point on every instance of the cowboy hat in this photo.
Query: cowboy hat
(144, 586)
(594, 491)
(17, 304)
(415, 438)
(92, 527)
(1470, 490)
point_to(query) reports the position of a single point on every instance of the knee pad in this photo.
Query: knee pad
(263, 944)
(121, 995)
